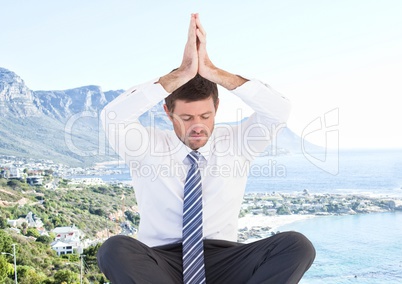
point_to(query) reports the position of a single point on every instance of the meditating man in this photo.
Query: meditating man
(189, 182)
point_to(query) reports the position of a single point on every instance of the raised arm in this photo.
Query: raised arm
(120, 117)
(189, 65)
(207, 69)
(271, 108)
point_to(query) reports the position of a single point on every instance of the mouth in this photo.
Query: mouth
(198, 134)
(198, 137)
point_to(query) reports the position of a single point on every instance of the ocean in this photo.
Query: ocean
(364, 248)
(374, 172)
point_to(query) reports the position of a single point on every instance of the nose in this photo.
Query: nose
(197, 128)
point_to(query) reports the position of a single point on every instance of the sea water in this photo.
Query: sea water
(377, 172)
(365, 248)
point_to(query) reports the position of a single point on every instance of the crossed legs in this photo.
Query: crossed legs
(282, 258)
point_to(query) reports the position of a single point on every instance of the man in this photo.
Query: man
(188, 184)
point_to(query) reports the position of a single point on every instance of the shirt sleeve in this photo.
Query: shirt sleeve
(264, 100)
(120, 122)
(271, 111)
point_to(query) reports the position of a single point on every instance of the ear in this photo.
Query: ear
(167, 112)
(216, 106)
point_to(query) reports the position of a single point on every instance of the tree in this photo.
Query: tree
(3, 181)
(14, 183)
(24, 227)
(44, 239)
(90, 256)
(28, 275)
(32, 232)
(5, 242)
(92, 250)
(66, 276)
(283, 210)
(5, 269)
(133, 217)
(98, 211)
(3, 222)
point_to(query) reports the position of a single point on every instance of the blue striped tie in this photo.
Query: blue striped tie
(193, 248)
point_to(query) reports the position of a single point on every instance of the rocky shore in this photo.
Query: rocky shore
(263, 213)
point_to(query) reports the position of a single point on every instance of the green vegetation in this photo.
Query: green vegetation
(93, 209)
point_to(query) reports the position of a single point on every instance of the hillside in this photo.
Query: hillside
(63, 125)
(88, 207)
(96, 210)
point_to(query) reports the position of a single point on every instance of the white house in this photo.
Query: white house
(34, 180)
(63, 248)
(67, 240)
(15, 172)
(87, 181)
(16, 223)
(33, 220)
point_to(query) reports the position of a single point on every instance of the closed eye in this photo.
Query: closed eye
(186, 117)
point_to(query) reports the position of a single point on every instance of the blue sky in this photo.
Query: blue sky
(343, 58)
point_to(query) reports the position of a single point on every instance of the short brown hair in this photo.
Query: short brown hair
(197, 89)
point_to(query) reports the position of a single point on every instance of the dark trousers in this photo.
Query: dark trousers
(282, 258)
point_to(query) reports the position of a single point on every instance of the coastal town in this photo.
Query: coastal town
(16, 167)
(261, 213)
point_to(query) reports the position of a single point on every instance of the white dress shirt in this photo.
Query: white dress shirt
(158, 164)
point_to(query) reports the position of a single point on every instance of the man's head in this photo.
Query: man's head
(192, 109)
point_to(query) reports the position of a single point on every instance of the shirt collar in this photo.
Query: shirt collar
(207, 149)
(184, 150)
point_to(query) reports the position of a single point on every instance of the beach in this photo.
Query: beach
(253, 227)
(273, 222)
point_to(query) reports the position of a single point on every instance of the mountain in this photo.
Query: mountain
(15, 98)
(63, 125)
(57, 125)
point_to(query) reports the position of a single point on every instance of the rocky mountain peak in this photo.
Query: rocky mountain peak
(63, 104)
(16, 99)
(33, 123)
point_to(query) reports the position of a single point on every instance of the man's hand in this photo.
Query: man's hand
(196, 60)
(205, 66)
(189, 65)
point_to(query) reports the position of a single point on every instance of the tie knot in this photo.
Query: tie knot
(194, 157)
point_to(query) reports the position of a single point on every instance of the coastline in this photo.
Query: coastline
(272, 222)
(263, 214)
(253, 227)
